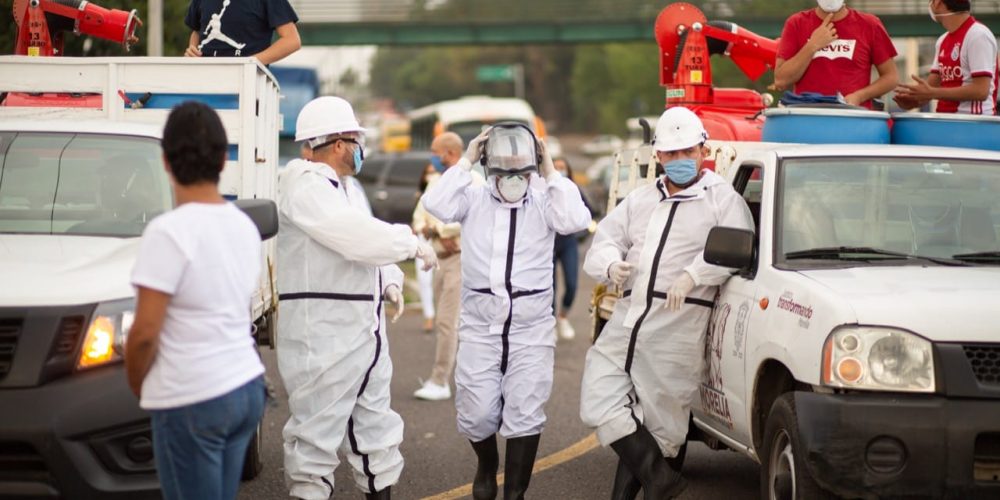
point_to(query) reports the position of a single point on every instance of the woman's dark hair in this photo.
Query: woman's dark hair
(194, 143)
(569, 168)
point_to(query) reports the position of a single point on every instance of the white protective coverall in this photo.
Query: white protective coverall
(334, 264)
(647, 363)
(503, 373)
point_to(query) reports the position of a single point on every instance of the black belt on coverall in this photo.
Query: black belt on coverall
(514, 295)
(687, 300)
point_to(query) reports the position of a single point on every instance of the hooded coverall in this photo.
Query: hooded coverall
(334, 264)
(645, 367)
(503, 375)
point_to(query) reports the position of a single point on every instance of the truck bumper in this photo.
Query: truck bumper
(868, 445)
(82, 437)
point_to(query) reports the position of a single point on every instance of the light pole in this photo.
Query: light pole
(154, 35)
(518, 80)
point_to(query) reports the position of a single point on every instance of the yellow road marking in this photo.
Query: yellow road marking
(565, 455)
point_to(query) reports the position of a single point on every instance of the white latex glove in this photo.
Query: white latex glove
(394, 296)
(547, 169)
(619, 272)
(427, 255)
(475, 150)
(678, 291)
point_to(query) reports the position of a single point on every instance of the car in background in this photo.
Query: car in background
(392, 183)
(598, 174)
(604, 144)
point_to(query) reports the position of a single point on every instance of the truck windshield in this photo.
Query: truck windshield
(875, 210)
(83, 184)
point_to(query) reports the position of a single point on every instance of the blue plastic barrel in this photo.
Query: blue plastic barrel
(167, 101)
(947, 129)
(815, 125)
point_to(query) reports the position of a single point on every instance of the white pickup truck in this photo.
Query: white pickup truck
(77, 187)
(856, 350)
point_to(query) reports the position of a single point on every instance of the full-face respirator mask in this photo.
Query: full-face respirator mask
(511, 155)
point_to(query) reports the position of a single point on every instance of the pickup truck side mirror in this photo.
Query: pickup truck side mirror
(263, 213)
(729, 247)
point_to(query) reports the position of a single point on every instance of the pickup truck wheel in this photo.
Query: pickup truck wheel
(252, 464)
(783, 472)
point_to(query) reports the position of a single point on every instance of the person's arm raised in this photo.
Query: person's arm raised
(788, 73)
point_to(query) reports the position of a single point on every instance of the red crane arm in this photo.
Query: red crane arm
(41, 24)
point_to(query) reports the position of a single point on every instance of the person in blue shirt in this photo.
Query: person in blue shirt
(223, 28)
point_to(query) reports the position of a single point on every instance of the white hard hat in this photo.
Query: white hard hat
(678, 128)
(324, 116)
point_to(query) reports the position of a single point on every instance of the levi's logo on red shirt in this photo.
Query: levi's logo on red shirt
(837, 49)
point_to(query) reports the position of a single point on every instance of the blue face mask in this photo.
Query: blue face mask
(436, 161)
(359, 158)
(681, 172)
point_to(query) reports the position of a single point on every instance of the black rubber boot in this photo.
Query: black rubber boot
(518, 464)
(626, 486)
(484, 487)
(641, 455)
(379, 495)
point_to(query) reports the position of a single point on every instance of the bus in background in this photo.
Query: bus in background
(298, 86)
(395, 135)
(467, 116)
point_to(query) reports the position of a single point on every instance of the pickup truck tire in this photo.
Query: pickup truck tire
(252, 464)
(783, 472)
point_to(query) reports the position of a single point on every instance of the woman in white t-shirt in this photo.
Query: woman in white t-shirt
(189, 355)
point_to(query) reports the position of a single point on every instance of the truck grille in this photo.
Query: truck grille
(986, 461)
(20, 462)
(10, 328)
(68, 336)
(985, 361)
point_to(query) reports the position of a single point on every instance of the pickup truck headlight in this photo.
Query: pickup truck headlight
(105, 339)
(882, 359)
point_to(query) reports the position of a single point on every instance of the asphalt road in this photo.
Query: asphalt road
(438, 460)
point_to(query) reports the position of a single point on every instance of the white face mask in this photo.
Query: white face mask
(934, 17)
(830, 5)
(512, 188)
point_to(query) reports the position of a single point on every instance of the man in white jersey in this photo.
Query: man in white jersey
(964, 75)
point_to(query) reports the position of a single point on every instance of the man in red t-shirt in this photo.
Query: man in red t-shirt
(965, 72)
(831, 49)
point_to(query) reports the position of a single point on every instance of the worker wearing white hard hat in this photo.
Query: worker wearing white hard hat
(505, 359)
(642, 373)
(335, 272)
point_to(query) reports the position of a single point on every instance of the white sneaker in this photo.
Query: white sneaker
(433, 392)
(565, 330)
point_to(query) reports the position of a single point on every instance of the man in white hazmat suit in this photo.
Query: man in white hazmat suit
(642, 373)
(335, 269)
(506, 343)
